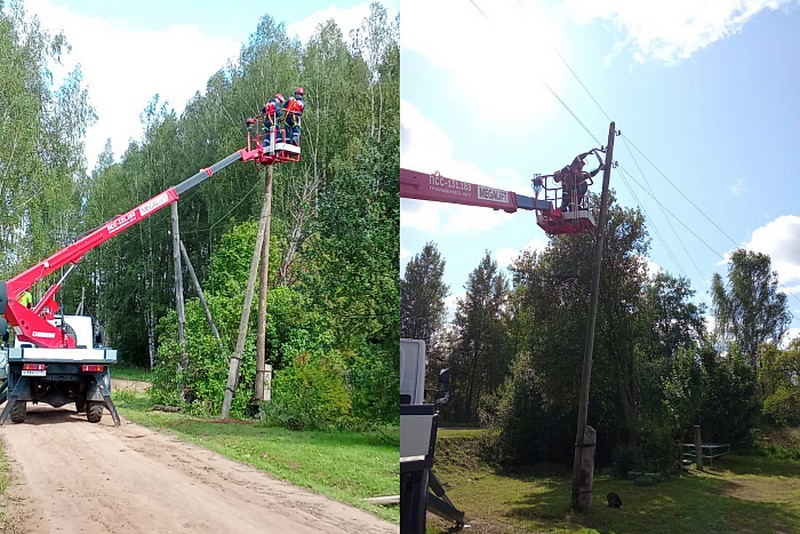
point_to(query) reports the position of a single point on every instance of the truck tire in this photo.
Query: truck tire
(18, 411)
(94, 412)
(80, 406)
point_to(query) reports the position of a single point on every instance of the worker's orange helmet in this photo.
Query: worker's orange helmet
(300, 91)
(279, 98)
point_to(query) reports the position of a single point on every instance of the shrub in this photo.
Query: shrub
(309, 393)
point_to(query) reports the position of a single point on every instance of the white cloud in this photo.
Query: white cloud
(780, 239)
(652, 267)
(495, 63)
(123, 69)
(738, 188)
(791, 334)
(451, 303)
(347, 19)
(424, 147)
(405, 253)
(671, 31)
(507, 255)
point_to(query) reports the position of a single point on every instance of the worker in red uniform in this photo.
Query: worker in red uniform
(292, 113)
(272, 111)
(574, 182)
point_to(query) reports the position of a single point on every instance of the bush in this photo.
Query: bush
(310, 393)
(625, 458)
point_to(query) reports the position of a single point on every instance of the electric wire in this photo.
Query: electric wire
(674, 232)
(629, 143)
(709, 247)
(689, 200)
(655, 229)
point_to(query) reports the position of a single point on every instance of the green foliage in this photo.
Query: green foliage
(481, 355)
(731, 407)
(203, 381)
(749, 310)
(529, 428)
(310, 393)
(778, 381)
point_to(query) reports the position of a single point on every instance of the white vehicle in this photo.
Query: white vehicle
(418, 424)
(62, 375)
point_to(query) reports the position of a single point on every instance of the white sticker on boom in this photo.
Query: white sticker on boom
(49, 335)
(491, 194)
(153, 204)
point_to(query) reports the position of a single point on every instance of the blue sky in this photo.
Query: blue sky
(130, 51)
(706, 90)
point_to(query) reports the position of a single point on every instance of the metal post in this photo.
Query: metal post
(581, 480)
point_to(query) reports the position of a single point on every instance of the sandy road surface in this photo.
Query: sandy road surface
(71, 476)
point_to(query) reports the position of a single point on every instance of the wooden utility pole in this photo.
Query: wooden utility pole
(179, 305)
(261, 338)
(236, 357)
(698, 448)
(583, 466)
(200, 295)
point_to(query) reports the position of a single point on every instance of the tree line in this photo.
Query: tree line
(333, 304)
(516, 342)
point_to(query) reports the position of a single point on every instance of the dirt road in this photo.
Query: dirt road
(71, 476)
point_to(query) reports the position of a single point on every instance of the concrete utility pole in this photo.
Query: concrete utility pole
(200, 295)
(261, 337)
(583, 466)
(236, 357)
(179, 304)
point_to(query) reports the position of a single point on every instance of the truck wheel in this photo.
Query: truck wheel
(80, 406)
(94, 412)
(18, 411)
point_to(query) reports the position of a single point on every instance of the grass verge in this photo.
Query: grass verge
(740, 493)
(126, 372)
(346, 466)
(7, 523)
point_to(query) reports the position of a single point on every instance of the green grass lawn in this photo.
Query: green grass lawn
(127, 372)
(345, 466)
(6, 523)
(750, 494)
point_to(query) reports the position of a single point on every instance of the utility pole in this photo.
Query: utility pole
(261, 337)
(583, 466)
(236, 357)
(200, 295)
(179, 304)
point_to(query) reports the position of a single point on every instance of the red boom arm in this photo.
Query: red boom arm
(30, 325)
(426, 186)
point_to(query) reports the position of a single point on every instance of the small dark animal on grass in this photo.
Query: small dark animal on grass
(614, 500)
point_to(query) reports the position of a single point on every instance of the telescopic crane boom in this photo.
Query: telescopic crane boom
(34, 325)
(563, 208)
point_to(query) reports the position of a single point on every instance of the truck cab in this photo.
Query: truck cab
(58, 376)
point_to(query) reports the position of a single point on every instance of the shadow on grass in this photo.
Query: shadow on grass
(682, 504)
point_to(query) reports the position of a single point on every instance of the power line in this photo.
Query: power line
(673, 215)
(627, 140)
(655, 229)
(680, 241)
(723, 232)
(479, 9)
(596, 140)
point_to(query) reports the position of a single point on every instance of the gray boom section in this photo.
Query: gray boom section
(204, 174)
(527, 203)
